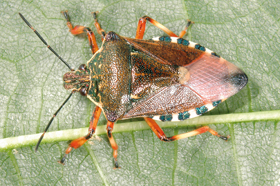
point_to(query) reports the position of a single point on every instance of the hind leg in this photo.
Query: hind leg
(160, 134)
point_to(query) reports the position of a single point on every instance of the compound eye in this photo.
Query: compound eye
(83, 91)
(82, 67)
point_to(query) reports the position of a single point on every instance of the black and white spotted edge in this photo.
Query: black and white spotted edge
(187, 114)
(185, 42)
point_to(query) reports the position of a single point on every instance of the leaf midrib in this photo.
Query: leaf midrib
(70, 134)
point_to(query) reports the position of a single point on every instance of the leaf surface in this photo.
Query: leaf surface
(245, 33)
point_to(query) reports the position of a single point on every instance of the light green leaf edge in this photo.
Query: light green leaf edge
(64, 135)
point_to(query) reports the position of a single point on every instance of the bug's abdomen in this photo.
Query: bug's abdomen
(205, 83)
(214, 78)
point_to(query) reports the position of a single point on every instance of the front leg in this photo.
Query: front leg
(78, 29)
(80, 141)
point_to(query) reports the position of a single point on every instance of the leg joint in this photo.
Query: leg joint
(109, 132)
(89, 135)
(145, 17)
(103, 34)
(87, 29)
(166, 139)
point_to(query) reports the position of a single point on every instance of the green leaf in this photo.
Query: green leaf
(245, 33)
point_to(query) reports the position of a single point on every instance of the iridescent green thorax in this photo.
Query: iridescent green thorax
(77, 79)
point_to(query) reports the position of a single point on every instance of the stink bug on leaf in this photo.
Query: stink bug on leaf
(165, 78)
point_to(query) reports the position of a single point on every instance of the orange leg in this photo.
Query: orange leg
(97, 26)
(110, 126)
(80, 141)
(185, 29)
(160, 134)
(142, 26)
(81, 29)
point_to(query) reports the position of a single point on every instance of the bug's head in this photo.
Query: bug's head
(77, 80)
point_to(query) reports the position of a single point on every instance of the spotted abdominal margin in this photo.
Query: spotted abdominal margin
(187, 114)
(184, 42)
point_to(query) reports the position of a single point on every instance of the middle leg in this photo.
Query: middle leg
(110, 126)
(142, 27)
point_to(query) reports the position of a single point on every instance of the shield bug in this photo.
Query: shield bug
(165, 78)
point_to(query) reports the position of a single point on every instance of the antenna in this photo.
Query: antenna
(50, 122)
(48, 46)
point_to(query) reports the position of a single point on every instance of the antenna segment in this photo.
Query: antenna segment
(42, 39)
